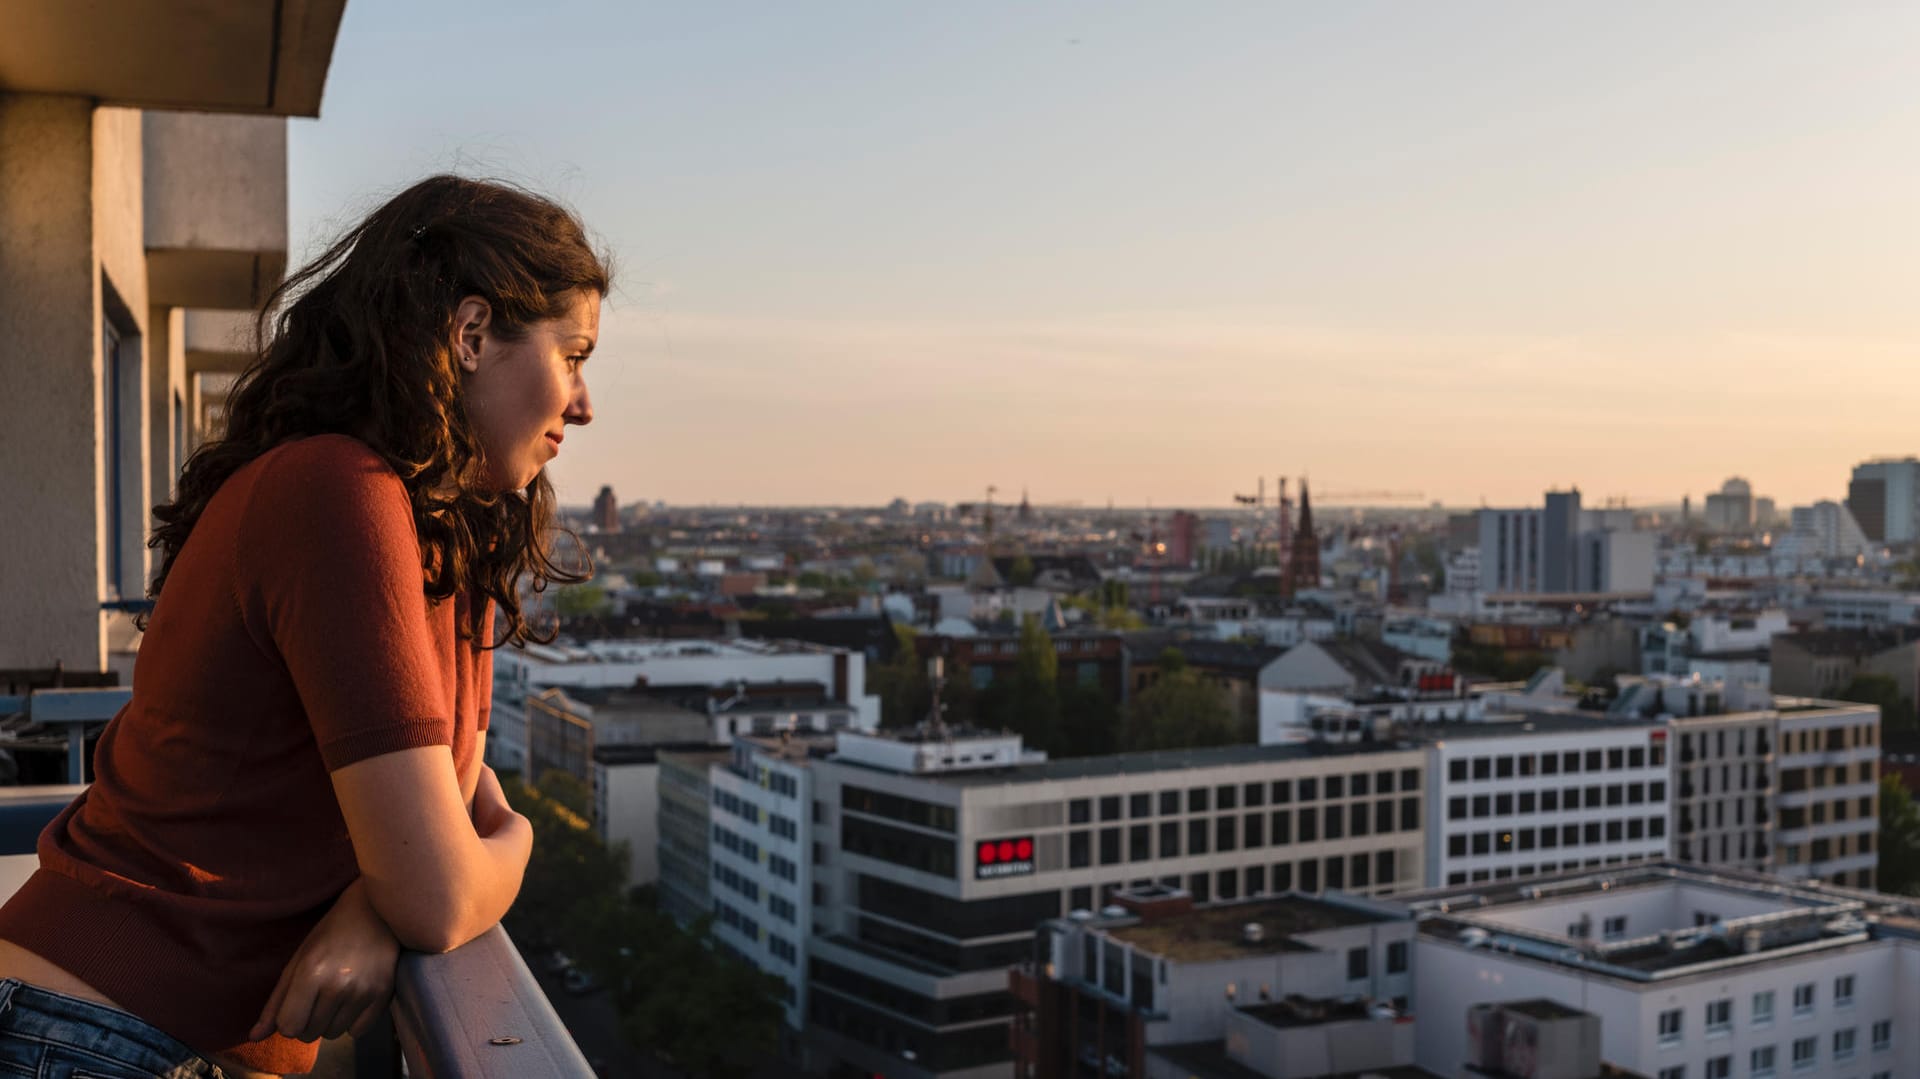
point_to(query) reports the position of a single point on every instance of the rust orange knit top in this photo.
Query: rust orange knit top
(293, 638)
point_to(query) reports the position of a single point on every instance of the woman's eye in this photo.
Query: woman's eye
(574, 362)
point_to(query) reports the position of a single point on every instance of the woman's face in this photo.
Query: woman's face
(521, 395)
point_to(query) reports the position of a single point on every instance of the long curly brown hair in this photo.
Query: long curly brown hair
(360, 342)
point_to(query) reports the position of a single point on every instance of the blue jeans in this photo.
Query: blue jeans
(51, 1035)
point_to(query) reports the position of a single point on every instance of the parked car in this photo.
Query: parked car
(579, 982)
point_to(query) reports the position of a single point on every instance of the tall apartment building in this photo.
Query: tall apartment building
(1523, 796)
(684, 850)
(1884, 496)
(760, 857)
(938, 857)
(1788, 785)
(1562, 548)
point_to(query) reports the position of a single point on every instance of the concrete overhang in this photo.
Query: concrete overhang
(215, 204)
(218, 342)
(257, 56)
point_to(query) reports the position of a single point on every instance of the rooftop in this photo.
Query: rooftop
(1165, 760)
(1755, 916)
(1219, 931)
(1539, 723)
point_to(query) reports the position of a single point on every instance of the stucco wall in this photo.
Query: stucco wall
(50, 364)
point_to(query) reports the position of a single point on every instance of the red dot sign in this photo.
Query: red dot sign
(987, 853)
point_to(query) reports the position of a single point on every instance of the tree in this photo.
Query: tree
(1179, 711)
(712, 1014)
(578, 600)
(1020, 574)
(901, 682)
(1899, 871)
(1896, 711)
(959, 700)
(1089, 722)
(1034, 707)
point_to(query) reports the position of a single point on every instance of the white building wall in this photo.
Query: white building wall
(626, 805)
(1450, 979)
(781, 868)
(1449, 833)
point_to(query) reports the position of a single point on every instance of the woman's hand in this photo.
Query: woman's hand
(490, 808)
(341, 978)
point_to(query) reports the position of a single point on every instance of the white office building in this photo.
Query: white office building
(760, 858)
(1693, 973)
(1529, 796)
(520, 673)
(942, 853)
(1884, 497)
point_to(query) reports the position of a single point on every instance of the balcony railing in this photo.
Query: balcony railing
(473, 1013)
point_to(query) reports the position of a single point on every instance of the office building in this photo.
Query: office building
(1691, 972)
(1286, 987)
(666, 671)
(941, 853)
(1562, 548)
(1884, 497)
(1530, 795)
(1730, 510)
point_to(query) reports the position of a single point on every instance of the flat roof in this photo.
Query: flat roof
(1531, 723)
(1218, 931)
(1163, 760)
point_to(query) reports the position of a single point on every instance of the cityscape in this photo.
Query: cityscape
(1030, 655)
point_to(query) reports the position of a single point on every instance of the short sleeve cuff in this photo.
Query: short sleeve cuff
(390, 738)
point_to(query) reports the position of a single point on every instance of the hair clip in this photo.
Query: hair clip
(417, 230)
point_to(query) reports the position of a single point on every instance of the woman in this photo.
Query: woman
(295, 790)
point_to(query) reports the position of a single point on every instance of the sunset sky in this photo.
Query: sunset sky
(1149, 251)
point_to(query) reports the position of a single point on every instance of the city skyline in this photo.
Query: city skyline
(1137, 252)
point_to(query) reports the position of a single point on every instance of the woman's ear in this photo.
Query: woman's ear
(470, 322)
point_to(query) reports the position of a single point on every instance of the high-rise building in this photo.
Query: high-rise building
(1884, 496)
(1559, 529)
(1731, 508)
(606, 511)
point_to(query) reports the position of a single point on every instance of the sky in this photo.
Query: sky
(1147, 252)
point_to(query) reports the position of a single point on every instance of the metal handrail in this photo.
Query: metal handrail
(76, 709)
(474, 1013)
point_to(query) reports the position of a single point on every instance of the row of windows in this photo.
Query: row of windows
(738, 844)
(1763, 1062)
(1571, 762)
(1550, 838)
(1251, 831)
(1555, 801)
(784, 868)
(1244, 795)
(1689, 742)
(1353, 871)
(730, 916)
(783, 950)
(779, 783)
(736, 805)
(746, 886)
(897, 807)
(781, 907)
(1543, 869)
(784, 827)
(1719, 1019)
(1794, 780)
(1821, 812)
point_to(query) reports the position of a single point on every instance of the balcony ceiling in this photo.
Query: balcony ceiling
(257, 56)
